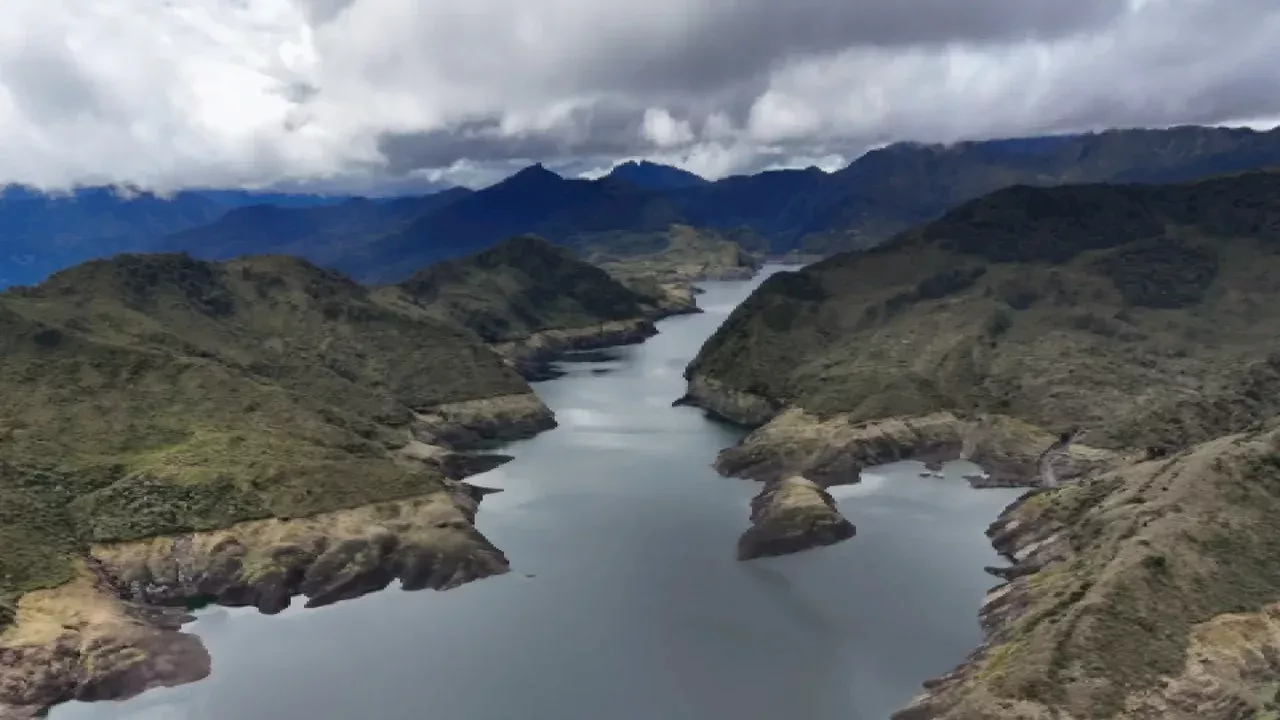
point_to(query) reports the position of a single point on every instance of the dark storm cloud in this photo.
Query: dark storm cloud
(1206, 62)
(718, 62)
(593, 131)
(412, 91)
(841, 76)
(742, 39)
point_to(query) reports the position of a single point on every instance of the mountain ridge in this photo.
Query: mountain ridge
(810, 212)
(655, 176)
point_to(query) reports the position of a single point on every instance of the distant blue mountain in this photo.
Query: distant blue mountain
(1039, 145)
(876, 196)
(652, 176)
(242, 198)
(41, 232)
(317, 232)
(534, 200)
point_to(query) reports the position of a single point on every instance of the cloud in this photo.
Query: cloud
(350, 93)
(663, 130)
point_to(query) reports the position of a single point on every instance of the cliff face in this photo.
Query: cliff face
(158, 399)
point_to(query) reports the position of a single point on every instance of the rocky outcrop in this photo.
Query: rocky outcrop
(834, 450)
(427, 542)
(789, 515)
(474, 422)
(797, 455)
(727, 403)
(81, 642)
(1233, 662)
(1144, 593)
(668, 297)
(533, 355)
(114, 633)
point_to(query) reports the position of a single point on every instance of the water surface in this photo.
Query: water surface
(625, 601)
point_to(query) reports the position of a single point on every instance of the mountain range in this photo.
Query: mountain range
(810, 211)
(44, 232)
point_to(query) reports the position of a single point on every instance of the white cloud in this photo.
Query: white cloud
(777, 115)
(665, 131)
(256, 91)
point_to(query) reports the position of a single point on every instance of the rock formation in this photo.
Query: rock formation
(789, 515)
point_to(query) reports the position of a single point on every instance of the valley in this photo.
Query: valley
(625, 597)
(180, 432)
(285, 405)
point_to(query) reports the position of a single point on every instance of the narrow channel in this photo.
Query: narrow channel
(625, 601)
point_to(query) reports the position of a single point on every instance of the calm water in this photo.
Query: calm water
(625, 601)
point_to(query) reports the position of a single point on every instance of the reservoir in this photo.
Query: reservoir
(625, 600)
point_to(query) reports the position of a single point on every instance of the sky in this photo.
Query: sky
(355, 95)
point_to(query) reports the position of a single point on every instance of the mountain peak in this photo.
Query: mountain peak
(536, 172)
(527, 248)
(654, 176)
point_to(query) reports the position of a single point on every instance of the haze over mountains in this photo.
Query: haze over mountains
(808, 210)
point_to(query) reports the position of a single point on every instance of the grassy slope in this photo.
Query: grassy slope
(1152, 552)
(679, 253)
(904, 185)
(1143, 314)
(519, 287)
(1146, 316)
(156, 394)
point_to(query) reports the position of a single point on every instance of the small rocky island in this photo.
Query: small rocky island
(177, 432)
(792, 514)
(1113, 348)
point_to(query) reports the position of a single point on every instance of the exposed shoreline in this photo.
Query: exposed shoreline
(115, 631)
(1098, 541)
(1049, 536)
(788, 447)
(533, 356)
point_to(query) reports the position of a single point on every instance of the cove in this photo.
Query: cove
(625, 601)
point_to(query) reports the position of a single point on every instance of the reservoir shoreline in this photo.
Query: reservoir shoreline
(625, 598)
